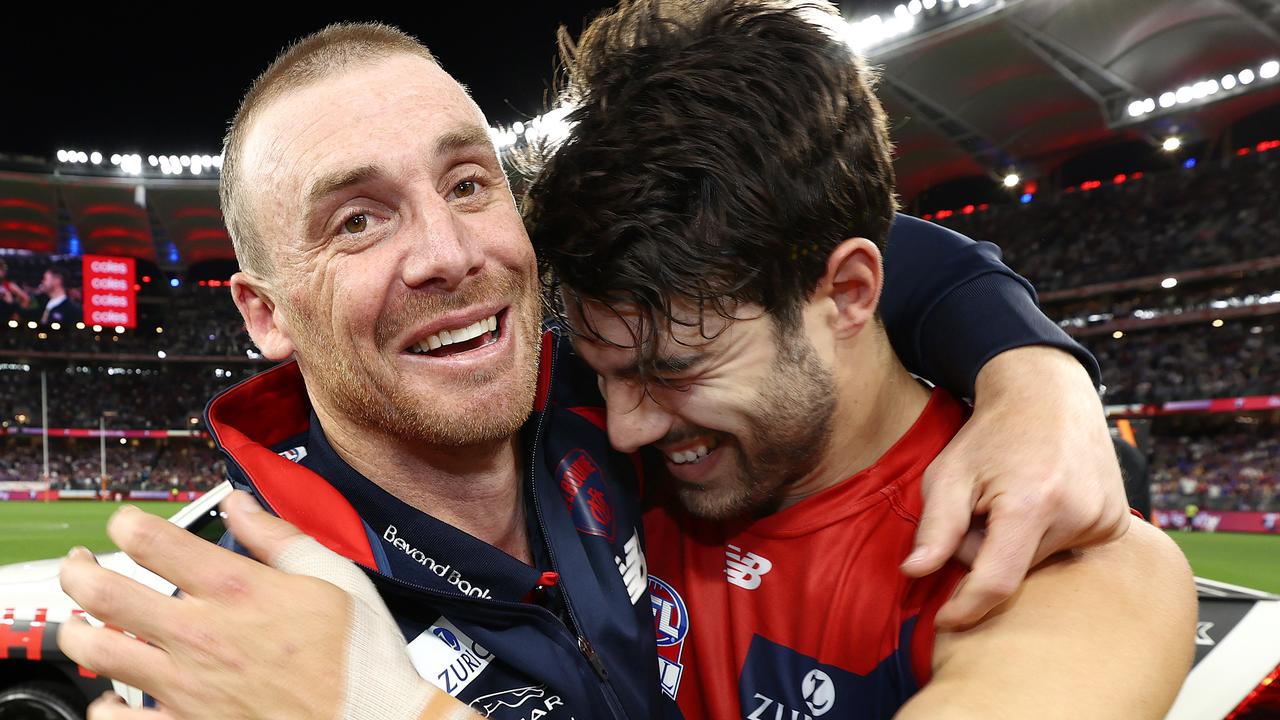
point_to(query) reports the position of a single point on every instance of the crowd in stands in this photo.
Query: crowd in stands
(177, 464)
(1164, 222)
(1190, 362)
(145, 396)
(1214, 214)
(1221, 471)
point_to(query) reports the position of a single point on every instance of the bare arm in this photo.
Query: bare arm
(1104, 633)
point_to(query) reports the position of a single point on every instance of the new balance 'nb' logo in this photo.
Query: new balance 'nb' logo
(745, 568)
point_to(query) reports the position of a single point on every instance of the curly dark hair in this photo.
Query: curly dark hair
(721, 149)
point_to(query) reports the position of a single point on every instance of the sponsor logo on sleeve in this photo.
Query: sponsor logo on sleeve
(632, 565)
(294, 454)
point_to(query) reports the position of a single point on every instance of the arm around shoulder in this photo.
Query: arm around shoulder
(1105, 632)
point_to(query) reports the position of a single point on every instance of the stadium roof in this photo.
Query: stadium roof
(1028, 83)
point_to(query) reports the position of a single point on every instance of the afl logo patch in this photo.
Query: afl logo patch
(670, 626)
(582, 486)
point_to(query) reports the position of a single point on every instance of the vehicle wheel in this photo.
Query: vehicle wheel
(40, 701)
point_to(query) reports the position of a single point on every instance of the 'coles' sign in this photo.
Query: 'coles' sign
(109, 297)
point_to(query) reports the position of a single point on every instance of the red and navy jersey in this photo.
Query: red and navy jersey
(567, 639)
(804, 613)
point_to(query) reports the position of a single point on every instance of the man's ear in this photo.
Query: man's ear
(259, 312)
(855, 274)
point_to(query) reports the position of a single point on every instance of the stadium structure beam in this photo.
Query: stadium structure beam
(1110, 91)
(1262, 14)
(977, 144)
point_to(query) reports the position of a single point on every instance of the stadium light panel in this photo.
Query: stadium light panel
(1168, 99)
(1169, 283)
(174, 282)
(124, 441)
(79, 326)
(161, 354)
(119, 329)
(1185, 94)
(1149, 105)
(1135, 108)
(1117, 335)
(62, 156)
(13, 323)
(152, 160)
(115, 159)
(55, 326)
(217, 161)
(1269, 69)
(518, 128)
(1171, 143)
(97, 328)
(915, 7)
(96, 158)
(195, 169)
(31, 324)
(1218, 323)
(1011, 180)
(1245, 76)
(930, 4)
(1228, 81)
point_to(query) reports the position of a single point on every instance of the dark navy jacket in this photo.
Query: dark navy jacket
(582, 643)
(586, 652)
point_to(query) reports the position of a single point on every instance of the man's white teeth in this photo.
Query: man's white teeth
(688, 456)
(457, 335)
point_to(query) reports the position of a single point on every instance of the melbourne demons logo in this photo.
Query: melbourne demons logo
(582, 485)
(671, 626)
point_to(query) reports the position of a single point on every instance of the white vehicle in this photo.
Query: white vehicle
(1236, 674)
(38, 682)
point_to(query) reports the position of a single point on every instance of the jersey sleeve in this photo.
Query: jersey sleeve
(950, 305)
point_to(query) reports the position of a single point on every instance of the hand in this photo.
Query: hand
(1036, 460)
(218, 650)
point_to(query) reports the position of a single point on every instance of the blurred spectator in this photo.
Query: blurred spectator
(180, 463)
(1219, 471)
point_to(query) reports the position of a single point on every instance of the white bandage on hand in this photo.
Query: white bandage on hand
(381, 683)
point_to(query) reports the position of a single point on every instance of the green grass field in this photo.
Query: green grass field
(30, 531)
(35, 530)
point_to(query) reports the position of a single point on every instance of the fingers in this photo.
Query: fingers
(112, 707)
(196, 566)
(948, 507)
(114, 598)
(1003, 560)
(264, 534)
(114, 654)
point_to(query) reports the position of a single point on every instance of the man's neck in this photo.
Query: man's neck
(476, 488)
(877, 403)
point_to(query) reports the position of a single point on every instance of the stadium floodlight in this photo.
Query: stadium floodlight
(518, 128)
(62, 156)
(115, 158)
(31, 324)
(152, 160)
(79, 326)
(195, 169)
(1269, 69)
(1185, 94)
(1011, 180)
(84, 156)
(119, 329)
(1117, 335)
(123, 441)
(97, 328)
(1228, 81)
(930, 4)
(914, 7)
(1149, 105)
(1245, 76)
(1171, 143)
(159, 331)
(173, 162)
(217, 161)
(1169, 283)
(55, 326)
(161, 354)
(1136, 108)
(13, 323)
(96, 158)
(1218, 323)
(1168, 99)
(185, 160)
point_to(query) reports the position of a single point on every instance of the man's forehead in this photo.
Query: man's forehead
(372, 113)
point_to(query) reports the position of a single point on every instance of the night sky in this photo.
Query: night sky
(147, 81)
